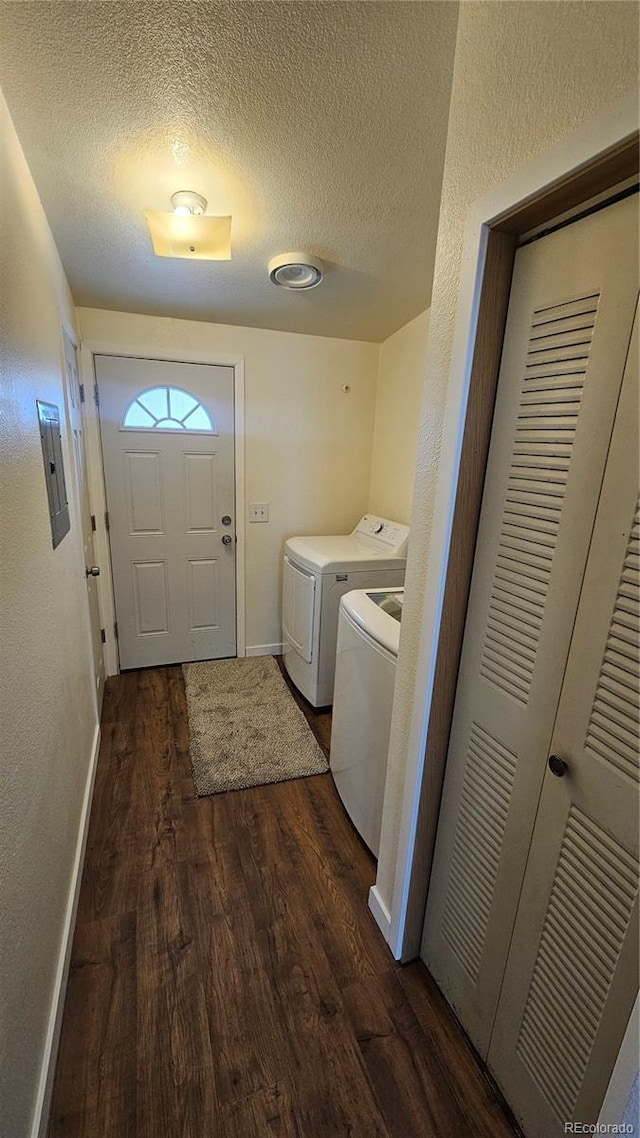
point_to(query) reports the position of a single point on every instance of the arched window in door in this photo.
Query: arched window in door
(167, 409)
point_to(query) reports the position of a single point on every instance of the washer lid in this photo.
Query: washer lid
(340, 554)
(366, 608)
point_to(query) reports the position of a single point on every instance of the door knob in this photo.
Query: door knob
(557, 766)
(94, 571)
(227, 539)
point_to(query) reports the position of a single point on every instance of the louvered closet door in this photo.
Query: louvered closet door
(569, 323)
(572, 973)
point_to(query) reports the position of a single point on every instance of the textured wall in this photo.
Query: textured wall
(47, 715)
(400, 383)
(525, 76)
(307, 443)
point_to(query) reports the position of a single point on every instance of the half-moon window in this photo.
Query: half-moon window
(167, 409)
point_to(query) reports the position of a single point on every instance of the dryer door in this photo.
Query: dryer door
(298, 604)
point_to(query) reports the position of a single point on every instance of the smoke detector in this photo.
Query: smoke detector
(296, 270)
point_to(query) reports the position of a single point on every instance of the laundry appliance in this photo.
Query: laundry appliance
(367, 651)
(318, 571)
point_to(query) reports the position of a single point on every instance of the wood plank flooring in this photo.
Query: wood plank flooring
(227, 978)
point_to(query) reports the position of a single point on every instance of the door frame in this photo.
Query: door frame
(589, 163)
(89, 349)
(68, 330)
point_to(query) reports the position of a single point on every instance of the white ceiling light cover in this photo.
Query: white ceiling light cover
(296, 270)
(200, 238)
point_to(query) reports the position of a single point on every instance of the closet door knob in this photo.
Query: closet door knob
(557, 766)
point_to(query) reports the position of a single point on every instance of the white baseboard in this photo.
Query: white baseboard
(264, 649)
(45, 1089)
(380, 912)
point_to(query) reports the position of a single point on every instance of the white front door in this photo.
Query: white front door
(76, 422)
(168, 449)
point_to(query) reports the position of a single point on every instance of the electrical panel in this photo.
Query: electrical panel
(49, 420)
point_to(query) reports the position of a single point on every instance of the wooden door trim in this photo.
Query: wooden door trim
(603, 172)
(593, 178)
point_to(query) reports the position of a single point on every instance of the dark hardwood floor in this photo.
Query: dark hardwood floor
(227, 978)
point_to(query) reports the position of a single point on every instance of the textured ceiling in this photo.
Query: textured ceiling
(318, 126)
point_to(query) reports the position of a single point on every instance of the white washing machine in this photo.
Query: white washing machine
(367, 651)
(318, 571)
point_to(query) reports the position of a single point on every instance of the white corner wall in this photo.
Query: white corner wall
(307, 443)
(401, 373)
(526, 76)
(621, 1104)
(48, 714)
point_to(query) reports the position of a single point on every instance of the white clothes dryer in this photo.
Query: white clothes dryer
(368, 642)
(318, 571)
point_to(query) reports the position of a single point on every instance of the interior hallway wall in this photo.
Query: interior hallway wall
(525, 76)
(47, 705)
(401, 372)
(307, 443)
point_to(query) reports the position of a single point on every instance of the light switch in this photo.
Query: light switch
(258, 511)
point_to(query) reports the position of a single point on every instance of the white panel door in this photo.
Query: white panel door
(168, 449)
(572, 973)
(77, 429)
(568, 329)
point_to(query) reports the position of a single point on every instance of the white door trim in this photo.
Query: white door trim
(67, 329)
(603, 134)
(88, 350)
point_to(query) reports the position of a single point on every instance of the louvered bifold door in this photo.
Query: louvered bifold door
(572, 973)
(568, 328)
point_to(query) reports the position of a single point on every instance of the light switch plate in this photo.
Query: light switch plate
(258, 511)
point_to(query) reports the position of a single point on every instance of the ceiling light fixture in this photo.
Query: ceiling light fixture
(187, 203)
(188, 232)
(296, 270)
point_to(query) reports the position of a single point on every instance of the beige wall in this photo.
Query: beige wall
(401, 373)
(525, 76)
(47, 707)
(308, 444)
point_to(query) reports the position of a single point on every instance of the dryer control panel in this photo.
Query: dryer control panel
(390, 536)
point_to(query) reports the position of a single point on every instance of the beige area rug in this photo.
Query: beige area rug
(245, 728)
